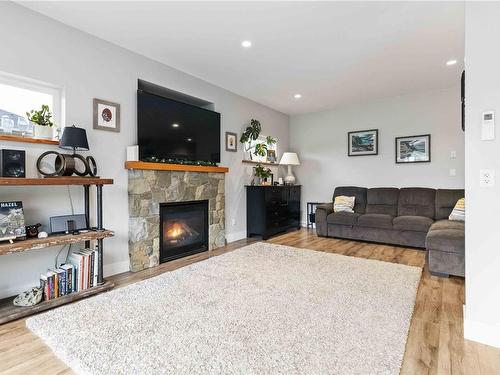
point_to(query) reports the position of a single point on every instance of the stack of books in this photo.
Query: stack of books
(79, 273)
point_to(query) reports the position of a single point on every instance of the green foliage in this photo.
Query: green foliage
(252, 133)
(42, 117)
(262, 172)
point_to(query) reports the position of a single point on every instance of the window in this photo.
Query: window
(18, 96)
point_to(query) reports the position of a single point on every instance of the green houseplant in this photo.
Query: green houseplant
(42, 119)
(252, 133)
(261, 173)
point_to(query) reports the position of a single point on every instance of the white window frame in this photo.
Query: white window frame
(58, 111)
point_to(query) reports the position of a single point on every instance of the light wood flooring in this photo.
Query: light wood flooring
(435, 342)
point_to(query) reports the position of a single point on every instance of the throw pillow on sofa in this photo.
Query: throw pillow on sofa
(458, 213)
(343, 204)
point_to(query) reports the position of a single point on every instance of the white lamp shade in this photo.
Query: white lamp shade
(290, 158)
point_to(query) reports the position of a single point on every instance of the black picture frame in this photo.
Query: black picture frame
(228, 142)
(397, 143)
(350, 135)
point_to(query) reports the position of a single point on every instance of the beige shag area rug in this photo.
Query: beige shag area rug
(262, 309)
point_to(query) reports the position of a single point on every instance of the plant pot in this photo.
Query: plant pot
(45, 132)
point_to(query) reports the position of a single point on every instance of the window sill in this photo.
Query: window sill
(16, 138)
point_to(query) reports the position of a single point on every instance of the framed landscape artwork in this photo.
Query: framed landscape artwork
(363, 142)
(414, 149)
(106, 115)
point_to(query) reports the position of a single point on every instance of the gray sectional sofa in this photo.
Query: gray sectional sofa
(415, 217)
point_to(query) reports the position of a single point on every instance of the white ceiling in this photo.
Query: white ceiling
(332, 53)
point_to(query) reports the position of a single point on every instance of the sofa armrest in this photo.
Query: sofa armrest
(322, 211)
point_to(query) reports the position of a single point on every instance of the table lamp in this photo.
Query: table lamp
(290, 158)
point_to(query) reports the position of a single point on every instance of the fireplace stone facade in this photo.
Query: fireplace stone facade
(148, 188)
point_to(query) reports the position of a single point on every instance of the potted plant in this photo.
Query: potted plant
(42, 120)
(252, 133)
(261, 174)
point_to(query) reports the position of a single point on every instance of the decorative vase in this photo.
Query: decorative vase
(46, 132)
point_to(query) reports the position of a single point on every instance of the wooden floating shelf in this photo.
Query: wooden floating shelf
(6, 181)
(174, 167)
(260, 162)
(55, 240)
(19, 138)
(9, 312)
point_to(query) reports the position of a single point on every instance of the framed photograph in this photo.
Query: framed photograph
(11, 221)
(271, 156)
(414, 149)
(231, 142)
(363, 142)
(106, 115)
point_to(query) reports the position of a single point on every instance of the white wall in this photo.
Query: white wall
(321, 142)
(482, 245)
(39, 48)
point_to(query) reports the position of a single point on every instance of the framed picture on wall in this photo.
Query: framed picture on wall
(413, 149)
(231, 142)
(363, 142)
(106, 115)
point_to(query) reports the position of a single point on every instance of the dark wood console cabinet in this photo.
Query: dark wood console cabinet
(272, 209)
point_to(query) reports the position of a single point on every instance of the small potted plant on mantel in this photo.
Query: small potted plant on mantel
(42, 121)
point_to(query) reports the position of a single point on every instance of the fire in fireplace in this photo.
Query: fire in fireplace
(183, 229)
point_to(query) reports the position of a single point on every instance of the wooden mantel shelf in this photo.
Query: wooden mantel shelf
(18, 138)
(174, 167)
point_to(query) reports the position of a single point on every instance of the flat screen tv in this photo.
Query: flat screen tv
(175, 131)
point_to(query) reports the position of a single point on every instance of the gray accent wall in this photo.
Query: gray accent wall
(320, 139)
(39, 48)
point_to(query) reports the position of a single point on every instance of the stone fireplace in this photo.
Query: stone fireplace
(148, 190)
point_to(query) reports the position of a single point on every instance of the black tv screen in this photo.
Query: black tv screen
(171, 130)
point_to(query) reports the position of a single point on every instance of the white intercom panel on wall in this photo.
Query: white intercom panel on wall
(488, 126)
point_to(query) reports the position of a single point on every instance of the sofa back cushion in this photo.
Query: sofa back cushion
(382, 201)
(446, 200)
(353, 191)
(417, 202)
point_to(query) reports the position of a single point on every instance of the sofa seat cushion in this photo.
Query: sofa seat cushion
(376, 221)
(343, 218)
(415, 223)
(446, 240)
(448, 224)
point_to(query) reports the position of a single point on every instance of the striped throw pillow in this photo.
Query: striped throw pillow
(343, 204)
(458, 213)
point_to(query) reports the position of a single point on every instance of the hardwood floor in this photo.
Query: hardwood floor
(435, 342)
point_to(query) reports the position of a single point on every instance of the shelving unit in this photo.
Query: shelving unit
(8, 311)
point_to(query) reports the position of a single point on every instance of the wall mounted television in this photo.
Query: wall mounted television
(172, 130)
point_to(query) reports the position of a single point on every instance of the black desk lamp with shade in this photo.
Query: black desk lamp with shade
(75, 139)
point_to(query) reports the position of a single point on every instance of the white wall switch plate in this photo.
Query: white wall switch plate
(486, 178)
(453, 172)
(453, 155)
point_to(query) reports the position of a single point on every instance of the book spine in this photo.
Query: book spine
(63, 283)
(51, 286)
(69, 279)
(92, 270)
(96, 266)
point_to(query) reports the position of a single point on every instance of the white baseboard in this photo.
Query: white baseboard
(484, 333)
(115, 268)
(231, 237)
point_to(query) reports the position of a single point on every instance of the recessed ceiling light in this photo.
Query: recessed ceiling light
(175, 125)
(297, 96)
(246, 44)
(451, 62)
(189, 139)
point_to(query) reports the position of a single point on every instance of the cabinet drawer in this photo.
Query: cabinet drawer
(276, 196)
